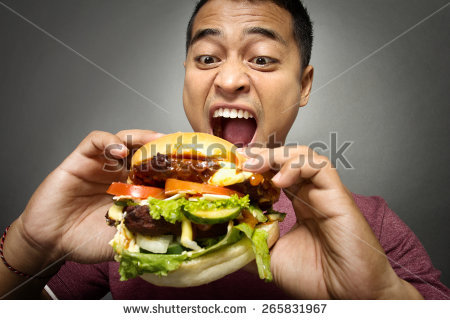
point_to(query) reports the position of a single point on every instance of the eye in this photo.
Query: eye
(207, 60)
(263, 61)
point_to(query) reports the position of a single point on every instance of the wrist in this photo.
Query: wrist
(28, 258)
(401, 290)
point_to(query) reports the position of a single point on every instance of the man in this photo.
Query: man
(241, 55)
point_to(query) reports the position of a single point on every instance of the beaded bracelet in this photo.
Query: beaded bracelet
(11, 268)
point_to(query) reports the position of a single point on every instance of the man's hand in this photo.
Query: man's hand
(66, 215)
(331, 252)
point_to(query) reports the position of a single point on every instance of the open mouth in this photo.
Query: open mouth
(235, 125)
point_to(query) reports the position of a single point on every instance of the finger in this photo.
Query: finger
(250, 152)
(297, 163)
(290, 174)
(97, 142)
(317, 169)
(135, 138)
(263, 159)
(258, 159)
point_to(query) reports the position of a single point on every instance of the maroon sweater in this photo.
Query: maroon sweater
(404, 250)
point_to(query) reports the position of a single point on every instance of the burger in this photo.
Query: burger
(189, 214)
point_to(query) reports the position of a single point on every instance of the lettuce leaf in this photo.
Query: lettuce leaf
(246, 229)
(257, 213)
(260, 249)
(259, 240)
(133, 264)
(170, 210)
(233, 236)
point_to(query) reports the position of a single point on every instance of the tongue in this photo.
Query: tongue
(238, 131)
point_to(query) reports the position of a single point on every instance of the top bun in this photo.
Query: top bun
(189, 145)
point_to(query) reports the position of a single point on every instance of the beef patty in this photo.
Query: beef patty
(138, 220)
(161, 167)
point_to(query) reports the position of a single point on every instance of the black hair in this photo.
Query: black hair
(303, 31)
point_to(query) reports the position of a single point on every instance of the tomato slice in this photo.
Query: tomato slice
(174, 186)
(135, 191)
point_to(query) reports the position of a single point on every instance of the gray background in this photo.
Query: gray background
(393, 105)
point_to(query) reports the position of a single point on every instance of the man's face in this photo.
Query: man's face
(243, 62)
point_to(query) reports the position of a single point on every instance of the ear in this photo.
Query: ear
(184, 64)
(307, 79)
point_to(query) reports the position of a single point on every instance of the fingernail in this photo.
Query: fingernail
(118, 150)
(276, 178)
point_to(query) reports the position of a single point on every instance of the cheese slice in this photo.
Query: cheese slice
(228, 176)
(115, 212)
(187, 235)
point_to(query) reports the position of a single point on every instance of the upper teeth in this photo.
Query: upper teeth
(232, 113)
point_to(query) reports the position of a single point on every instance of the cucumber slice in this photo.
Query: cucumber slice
(212, 216)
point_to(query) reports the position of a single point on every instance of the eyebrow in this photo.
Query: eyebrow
(203, 33)
(268, 33)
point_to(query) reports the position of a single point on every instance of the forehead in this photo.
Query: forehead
(232, 16)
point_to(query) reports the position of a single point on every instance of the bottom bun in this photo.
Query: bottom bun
(215, 265)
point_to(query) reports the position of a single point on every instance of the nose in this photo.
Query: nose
(232, 78)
